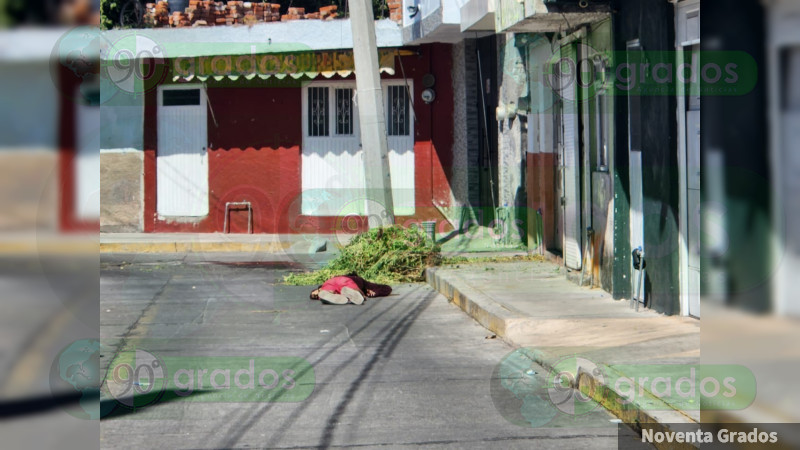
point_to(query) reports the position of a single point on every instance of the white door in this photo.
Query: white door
(400, 131)
(333, 179)
(182, 161)
(636, 218)
(332, 164)
(789, 210)
(571, 200)
(87, 156)
(687, 44)
(693, 197)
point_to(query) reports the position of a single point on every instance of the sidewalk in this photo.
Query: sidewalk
(531, 304)
(217, 242)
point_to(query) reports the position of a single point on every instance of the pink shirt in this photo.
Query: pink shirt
(336, 284)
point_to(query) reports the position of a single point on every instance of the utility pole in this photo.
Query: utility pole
(371, 114)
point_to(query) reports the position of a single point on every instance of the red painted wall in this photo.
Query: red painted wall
(254, 154)
(541, 195)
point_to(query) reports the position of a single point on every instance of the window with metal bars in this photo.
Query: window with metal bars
(399, 117)
(344, 111)
(318, 111)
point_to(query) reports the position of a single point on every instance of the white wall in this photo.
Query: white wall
(29, 116)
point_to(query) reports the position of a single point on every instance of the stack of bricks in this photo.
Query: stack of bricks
(198, 12)
(219, 13)
(328, 12)
(235, 12)
(179, 19)
(157, 14)
(294, 14)
(273, 13)
(395, 10)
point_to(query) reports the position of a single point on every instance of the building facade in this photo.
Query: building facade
(601, 164)
(263, 137)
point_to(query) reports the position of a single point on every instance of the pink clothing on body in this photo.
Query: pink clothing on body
(336, 284)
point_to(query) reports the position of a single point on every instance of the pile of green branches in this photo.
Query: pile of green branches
(459, 260)
(387, 255)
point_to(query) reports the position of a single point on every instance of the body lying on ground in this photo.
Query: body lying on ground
(349, 288)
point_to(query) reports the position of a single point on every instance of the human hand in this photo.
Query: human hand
(370, 293)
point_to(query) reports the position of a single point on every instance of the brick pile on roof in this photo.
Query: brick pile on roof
(202, 13)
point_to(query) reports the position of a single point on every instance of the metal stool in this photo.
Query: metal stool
(228, 205)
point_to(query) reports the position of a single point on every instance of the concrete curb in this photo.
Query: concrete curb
(511, 325)
(193, 247)
(47, 245)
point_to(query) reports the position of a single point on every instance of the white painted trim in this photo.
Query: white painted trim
(682, 10)
(683, 223)
(121, 150)
(782, 32)
(683, 195)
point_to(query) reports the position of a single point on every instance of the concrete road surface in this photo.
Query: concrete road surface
(407, 370)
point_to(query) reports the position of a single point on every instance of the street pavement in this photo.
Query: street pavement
(407, 370)
(46, 303)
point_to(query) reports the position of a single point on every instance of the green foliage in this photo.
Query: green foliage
(21, 12)
(453, 260)
(385, 255)
(109, 13)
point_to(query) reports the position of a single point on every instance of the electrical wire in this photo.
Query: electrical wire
(486, 129)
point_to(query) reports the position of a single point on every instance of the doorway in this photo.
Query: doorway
(569, 157)
(486, 54)
(687, 44)
(636, 213)
(182, 161)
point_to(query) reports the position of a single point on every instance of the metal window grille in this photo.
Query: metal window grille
(399, 117)
(318, 111)
(344, 111)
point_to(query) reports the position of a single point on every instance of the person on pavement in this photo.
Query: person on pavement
(349, 288)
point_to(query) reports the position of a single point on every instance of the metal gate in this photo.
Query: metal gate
(571, 201)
